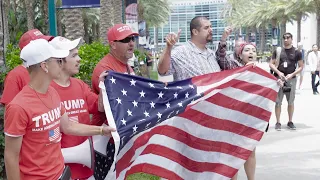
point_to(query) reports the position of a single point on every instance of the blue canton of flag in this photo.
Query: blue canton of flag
(139, 104)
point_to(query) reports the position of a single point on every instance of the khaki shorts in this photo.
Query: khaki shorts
(289, 95)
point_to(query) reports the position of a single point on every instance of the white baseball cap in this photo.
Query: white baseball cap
(40, 50)
(64, 43)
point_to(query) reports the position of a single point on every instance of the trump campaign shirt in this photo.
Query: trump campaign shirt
(15, 80)
(79, 102)
(105, 64)
(36, 117)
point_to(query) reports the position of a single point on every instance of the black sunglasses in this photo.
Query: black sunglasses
(126, 40)
(286, 37)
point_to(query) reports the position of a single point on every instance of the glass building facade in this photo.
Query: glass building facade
(182, 13)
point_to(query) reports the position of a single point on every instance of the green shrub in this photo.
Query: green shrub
(12, 58)
(90, 55)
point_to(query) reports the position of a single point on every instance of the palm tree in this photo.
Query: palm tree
(28, 4)
(73, 23)
(117, 11)
(106, 19)
(154, 13)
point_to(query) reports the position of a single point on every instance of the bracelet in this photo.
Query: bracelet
(101, 130)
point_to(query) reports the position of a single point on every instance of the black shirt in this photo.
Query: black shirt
(291, 57)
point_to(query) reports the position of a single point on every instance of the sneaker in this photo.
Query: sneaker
(291, 126)
(278, 126)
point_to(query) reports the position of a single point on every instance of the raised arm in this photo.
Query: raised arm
(165, 58)
(223, 60)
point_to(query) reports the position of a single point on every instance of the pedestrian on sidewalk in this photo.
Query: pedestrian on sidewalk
(314, 62)
(286, 71)
(300, 48)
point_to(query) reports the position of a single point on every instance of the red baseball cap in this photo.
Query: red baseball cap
(32, 35)
(119, 32)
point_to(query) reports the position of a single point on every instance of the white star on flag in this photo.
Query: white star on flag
(160, 94)
(142, 93)
(151, 85)
(129, 112)
(152, 104)
(124, 92)
(135, 104)
(124, 122)
(133, 82)
(134, 128)
(175, 95)
(180, 104)
(146, 114)
(191, 86)
(119, 100)
(187, 95)
(159, 115)
(168, 105)
(113, 81)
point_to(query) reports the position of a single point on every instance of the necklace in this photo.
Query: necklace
(39, 97)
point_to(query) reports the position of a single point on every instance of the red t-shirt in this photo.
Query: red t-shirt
(36, 117)
(106, 63)
(15, 80)
(79, 102)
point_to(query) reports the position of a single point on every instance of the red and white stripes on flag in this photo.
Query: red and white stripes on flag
(213, 138)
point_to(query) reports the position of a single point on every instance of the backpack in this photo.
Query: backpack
(278, 52)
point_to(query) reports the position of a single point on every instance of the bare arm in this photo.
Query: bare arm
(11, 157)
(165, 58)
(78, 129)
(299, 69)
(100, 103)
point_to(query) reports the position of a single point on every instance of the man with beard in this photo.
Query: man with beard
(121, 41)
(193, 58)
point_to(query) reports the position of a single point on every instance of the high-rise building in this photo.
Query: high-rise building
(182, 12)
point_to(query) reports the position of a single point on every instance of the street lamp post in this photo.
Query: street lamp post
(52, 18)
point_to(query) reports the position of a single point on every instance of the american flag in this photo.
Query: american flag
(54, 135)
(200, 128)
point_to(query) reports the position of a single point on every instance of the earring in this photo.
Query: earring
(47, 71)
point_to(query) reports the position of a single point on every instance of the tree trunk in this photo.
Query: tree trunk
(45, 15)
(2, 54)
(73, 23)
(156, 38)
(98, 31)
(59, 22)
(283, 29)
(6, 5)
(28, 4)
(86, 26)
(299, 16)
(262, 39)
(106, 20)
(247, 34)
(117, 11)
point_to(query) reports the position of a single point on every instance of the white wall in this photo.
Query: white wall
(308, 31)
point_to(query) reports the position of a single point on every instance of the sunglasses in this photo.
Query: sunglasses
(286, 37)
(126, 40)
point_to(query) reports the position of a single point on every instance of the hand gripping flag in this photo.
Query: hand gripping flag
(200, 128)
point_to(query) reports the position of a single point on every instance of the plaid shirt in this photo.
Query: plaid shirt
(188, 61)
(226, 62)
